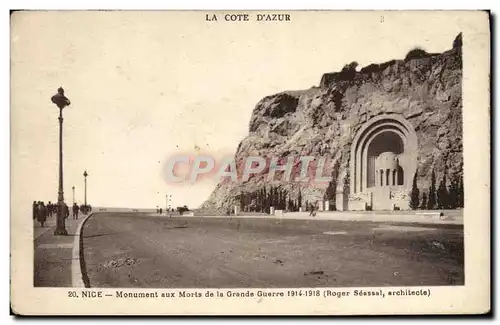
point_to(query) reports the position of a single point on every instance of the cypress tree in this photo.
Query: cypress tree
(259, 201)
(415, 194)
(453, 198)
(281, 202)
(299, 203)
(442, 194)
(424, 201)
(242, 201)
(431, 201)
(332, 186)
(271, 196)
(264, 199)
(278, 198)
(284, 198)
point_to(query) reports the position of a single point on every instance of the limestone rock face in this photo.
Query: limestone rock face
(323, 121)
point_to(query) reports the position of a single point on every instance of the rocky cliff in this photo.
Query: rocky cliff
(424, 88)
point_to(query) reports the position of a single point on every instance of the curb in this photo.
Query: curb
(76, 268)
(426, 221)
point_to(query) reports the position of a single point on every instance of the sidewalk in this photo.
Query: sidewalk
(38, 230)
(53, 255)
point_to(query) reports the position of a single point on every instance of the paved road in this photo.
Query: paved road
(134, 250)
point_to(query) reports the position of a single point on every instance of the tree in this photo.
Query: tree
(415, 194)
(332, 186)
(442, 194)
(347, 183)
(182, 209)
(284, 200)
(349, 71)
(431, 202)
(424, 201)
(265, 204)
(242, 201)
(416, 53)
(453, 197)
(291, 204)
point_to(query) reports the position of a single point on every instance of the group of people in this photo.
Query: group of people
(160, 210)
(42, 211)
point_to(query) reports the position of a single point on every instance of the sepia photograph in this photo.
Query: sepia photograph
(266, 158)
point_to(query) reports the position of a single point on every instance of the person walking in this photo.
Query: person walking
(49, 209)
(312, 213)
(75, 211)
(65, 211)
(35, 210)
(52, 210)
(41, 213)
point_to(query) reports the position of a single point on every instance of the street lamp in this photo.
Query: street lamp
(85, 174)
(61, 101)
(73, 188)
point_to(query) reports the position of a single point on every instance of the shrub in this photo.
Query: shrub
(416, 53)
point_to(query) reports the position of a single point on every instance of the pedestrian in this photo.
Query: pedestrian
(41, 213)
(49, 209)
(312, 213)
(35, 208)
(75, 211)
(65, 211)
(161, 211)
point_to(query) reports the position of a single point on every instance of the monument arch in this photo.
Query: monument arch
(383, 162)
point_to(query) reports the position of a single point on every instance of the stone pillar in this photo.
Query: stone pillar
(236, 210)
(327, 205)
(271, 211)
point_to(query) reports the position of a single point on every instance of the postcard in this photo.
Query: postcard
(250, 162)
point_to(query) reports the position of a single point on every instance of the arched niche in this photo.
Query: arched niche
(383, 133)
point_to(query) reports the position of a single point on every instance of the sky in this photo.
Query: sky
(145, 86)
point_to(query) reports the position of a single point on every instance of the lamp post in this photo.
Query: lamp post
(61, 102)
(73, 188)
(85, 174)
